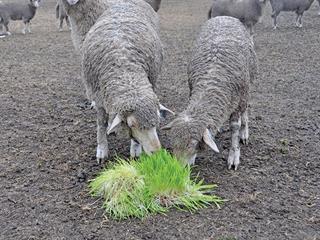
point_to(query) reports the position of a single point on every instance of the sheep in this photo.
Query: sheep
(248, 12)
(121, 59)
(222, 66)
(298, 6)
(319, 6)
(84, 13)
(18, 11)
(61, 15)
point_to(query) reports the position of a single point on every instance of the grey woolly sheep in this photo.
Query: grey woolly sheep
(84, 13)
(248, 12)
(61, 15)
(222, 66)
(121, 60)
(298, 6)
(18, 11)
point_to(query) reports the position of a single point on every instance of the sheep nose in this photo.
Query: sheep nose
(154, 146)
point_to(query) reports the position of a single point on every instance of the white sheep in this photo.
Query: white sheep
(222, 65)
(121, 59)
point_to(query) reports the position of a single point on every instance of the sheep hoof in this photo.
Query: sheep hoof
(8, 33)
(93, 105)
(60, 29)
(244, 137)
(275, 27)
(234, 158)
(244, 141)
(102, 153)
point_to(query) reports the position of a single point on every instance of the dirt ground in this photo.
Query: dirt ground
(47, 140)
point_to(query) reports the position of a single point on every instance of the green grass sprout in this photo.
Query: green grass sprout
(151, 184)
(121, 187)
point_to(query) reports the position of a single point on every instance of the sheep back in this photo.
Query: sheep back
(223, 64)
(123, 52)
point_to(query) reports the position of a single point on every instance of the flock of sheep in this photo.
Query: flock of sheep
(121, 58)
(247, 11)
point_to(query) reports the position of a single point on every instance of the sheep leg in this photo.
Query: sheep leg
(7, 28)
(28, 27)
(60, 24)
(68, 22)
(297, 20)
(251, 29)
(24, 28)
(274, 16)
(244, 130)
(234, 153)
(300, 21)
(102, 148)
(2, 34)
(135, 148)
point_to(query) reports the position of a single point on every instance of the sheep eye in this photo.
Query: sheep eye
(194, 144)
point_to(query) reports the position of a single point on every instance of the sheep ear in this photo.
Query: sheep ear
(208, 139)
(164, 111)
(168, 126)
(132, 122)
(116, 121)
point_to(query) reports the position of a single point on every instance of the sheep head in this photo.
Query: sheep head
(187, 136)
(142, 125)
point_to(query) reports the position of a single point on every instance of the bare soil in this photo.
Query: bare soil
(47, 140)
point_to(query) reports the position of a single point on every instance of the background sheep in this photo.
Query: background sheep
(84, 13)
(122, 58)
(247, 11)
(220, 71)
(18, 11)
(298, 6)
(61, 15)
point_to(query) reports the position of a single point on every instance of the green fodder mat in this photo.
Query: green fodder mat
(150, 184)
